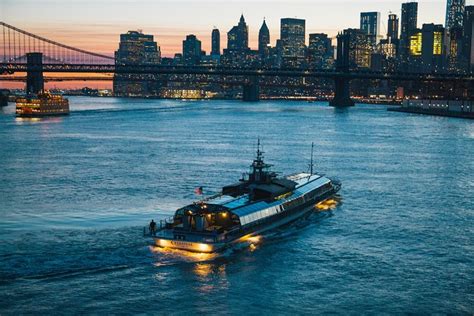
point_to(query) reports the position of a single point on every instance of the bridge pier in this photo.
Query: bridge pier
(4, 97)
(34, 73)
(342, 93)
(251, 91)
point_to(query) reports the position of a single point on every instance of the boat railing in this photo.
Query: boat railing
(163, 223)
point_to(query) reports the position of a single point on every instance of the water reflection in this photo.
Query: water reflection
(329, 204)
(183, 254)
(24, 120)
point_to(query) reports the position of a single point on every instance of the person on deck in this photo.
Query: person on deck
(153, 228)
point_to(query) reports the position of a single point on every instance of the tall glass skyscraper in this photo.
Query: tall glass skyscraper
(468, 40)
(263, 40)
(392, 27)
(408, 26)
(370, 24)
(216, 42)
(238, 36)
(455, 13)
(191, 50)
(292, 36)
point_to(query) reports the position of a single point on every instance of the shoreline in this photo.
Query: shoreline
(434, 112)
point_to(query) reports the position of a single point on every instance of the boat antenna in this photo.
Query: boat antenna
(311, 163)
(259, 153)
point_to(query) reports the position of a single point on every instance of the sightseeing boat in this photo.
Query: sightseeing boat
(42, 104)
(259, 202)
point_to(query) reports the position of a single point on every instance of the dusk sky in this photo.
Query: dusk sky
(96, 24)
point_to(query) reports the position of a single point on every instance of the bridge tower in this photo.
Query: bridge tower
(251, 90)
(342, 92)
(34, 73)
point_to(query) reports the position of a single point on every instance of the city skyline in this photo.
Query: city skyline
(373, 21)
(89, 28)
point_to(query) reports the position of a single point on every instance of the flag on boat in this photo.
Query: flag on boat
(198, 191)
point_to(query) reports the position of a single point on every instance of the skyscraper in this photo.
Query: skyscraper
(427, 48)
(136, 48)
(454, 27)
(408, 26)
(292, 36)
(216, 42)
(392, 27)
(433, 49)
(454, 13)
(191, 50)
(320, 51)
(353, 49)
(468, 38)
(370, 24)
(238, 36)
(263, 40)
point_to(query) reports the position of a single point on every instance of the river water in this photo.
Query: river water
(76, 191)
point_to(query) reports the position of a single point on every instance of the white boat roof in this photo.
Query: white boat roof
(251, 212)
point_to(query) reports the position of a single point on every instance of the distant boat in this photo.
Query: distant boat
(42, 104)
(259, 202)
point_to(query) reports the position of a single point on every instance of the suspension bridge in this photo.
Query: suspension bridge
(22, 51)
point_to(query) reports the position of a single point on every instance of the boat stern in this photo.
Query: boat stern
(188, 245)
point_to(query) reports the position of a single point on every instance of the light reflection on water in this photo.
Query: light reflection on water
(76, 193)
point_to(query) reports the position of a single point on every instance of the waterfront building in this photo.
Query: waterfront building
(370, 24)
(216, 42)
(263, 40)
(191, 50)
(136, 48)
(454, 13)
(320, 51)
(293, 47)
(408, 27)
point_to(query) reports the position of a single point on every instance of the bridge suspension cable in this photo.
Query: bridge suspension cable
(16, 43)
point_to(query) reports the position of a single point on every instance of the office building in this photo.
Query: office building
(468, 38)
(408, 27)
(216, 42)
(428, 48)
(454, 13)
(263, 40)
(370, 25)
(293, 47)
(238, 36)
(136, 48)
(191, 50)
(392, 27)
(353, 49)
(320, 51)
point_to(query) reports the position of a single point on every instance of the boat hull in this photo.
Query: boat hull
(42, 115)
(283, 219)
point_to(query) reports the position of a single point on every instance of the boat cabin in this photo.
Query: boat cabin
(203, 217)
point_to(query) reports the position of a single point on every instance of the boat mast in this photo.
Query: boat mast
(311, 163)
